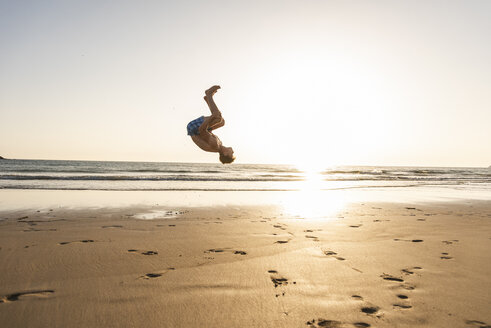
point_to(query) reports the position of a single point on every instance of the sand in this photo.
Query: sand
(368, 265)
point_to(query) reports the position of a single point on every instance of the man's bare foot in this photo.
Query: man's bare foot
(211, 91)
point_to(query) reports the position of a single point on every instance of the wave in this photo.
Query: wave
(93, 171)
(408, 172)
(141, 178)
(201, 189)
(251, 178)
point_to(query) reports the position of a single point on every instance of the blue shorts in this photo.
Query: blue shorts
(193, 126)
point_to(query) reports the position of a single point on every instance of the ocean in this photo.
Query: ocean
(154, 176)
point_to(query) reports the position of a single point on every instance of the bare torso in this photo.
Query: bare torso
(209, 142)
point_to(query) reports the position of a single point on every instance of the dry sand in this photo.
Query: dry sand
(370, 265)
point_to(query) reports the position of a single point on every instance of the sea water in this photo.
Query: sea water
(155, 176)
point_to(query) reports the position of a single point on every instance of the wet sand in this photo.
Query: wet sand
(369, 265)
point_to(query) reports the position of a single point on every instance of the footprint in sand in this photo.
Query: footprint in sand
(314, 238)
(402, 306)
(411, 240)
(401, 296)
(355, 225)
(279, 226)
(77, 241)
(334, 254)
(357, 297)
(36, 230)
(151, 275)
(410, 270)
(445, 256)
(281, 241)
(391, 278)
(370, 309)
(27, 246)
(213, 250)
(450, 242)
(315, 323)
(477, 323)
(143, 253)
(324, 323)
(277, 279)
(405, 286)
(408, 286)
(150, 253)
(219, 250)
(21, 295)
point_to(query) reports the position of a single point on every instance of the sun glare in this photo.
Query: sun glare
(313, 179)
(311, 201)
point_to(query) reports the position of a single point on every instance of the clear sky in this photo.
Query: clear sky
(303, 82)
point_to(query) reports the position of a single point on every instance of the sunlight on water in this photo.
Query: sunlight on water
(311, 202)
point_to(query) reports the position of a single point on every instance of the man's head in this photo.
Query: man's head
(227, 155)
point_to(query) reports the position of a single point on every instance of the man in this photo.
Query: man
(201, 129)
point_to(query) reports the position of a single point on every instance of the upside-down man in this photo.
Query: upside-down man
(201, 129)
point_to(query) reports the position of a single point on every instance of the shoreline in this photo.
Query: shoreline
(25, 199)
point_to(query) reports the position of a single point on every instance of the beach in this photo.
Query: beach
(243, 164)
(362, 264)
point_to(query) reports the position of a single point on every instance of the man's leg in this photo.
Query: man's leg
(211, 103)
(215, 121)
(216, 125)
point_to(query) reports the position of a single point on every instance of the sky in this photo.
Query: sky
(306, 82)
